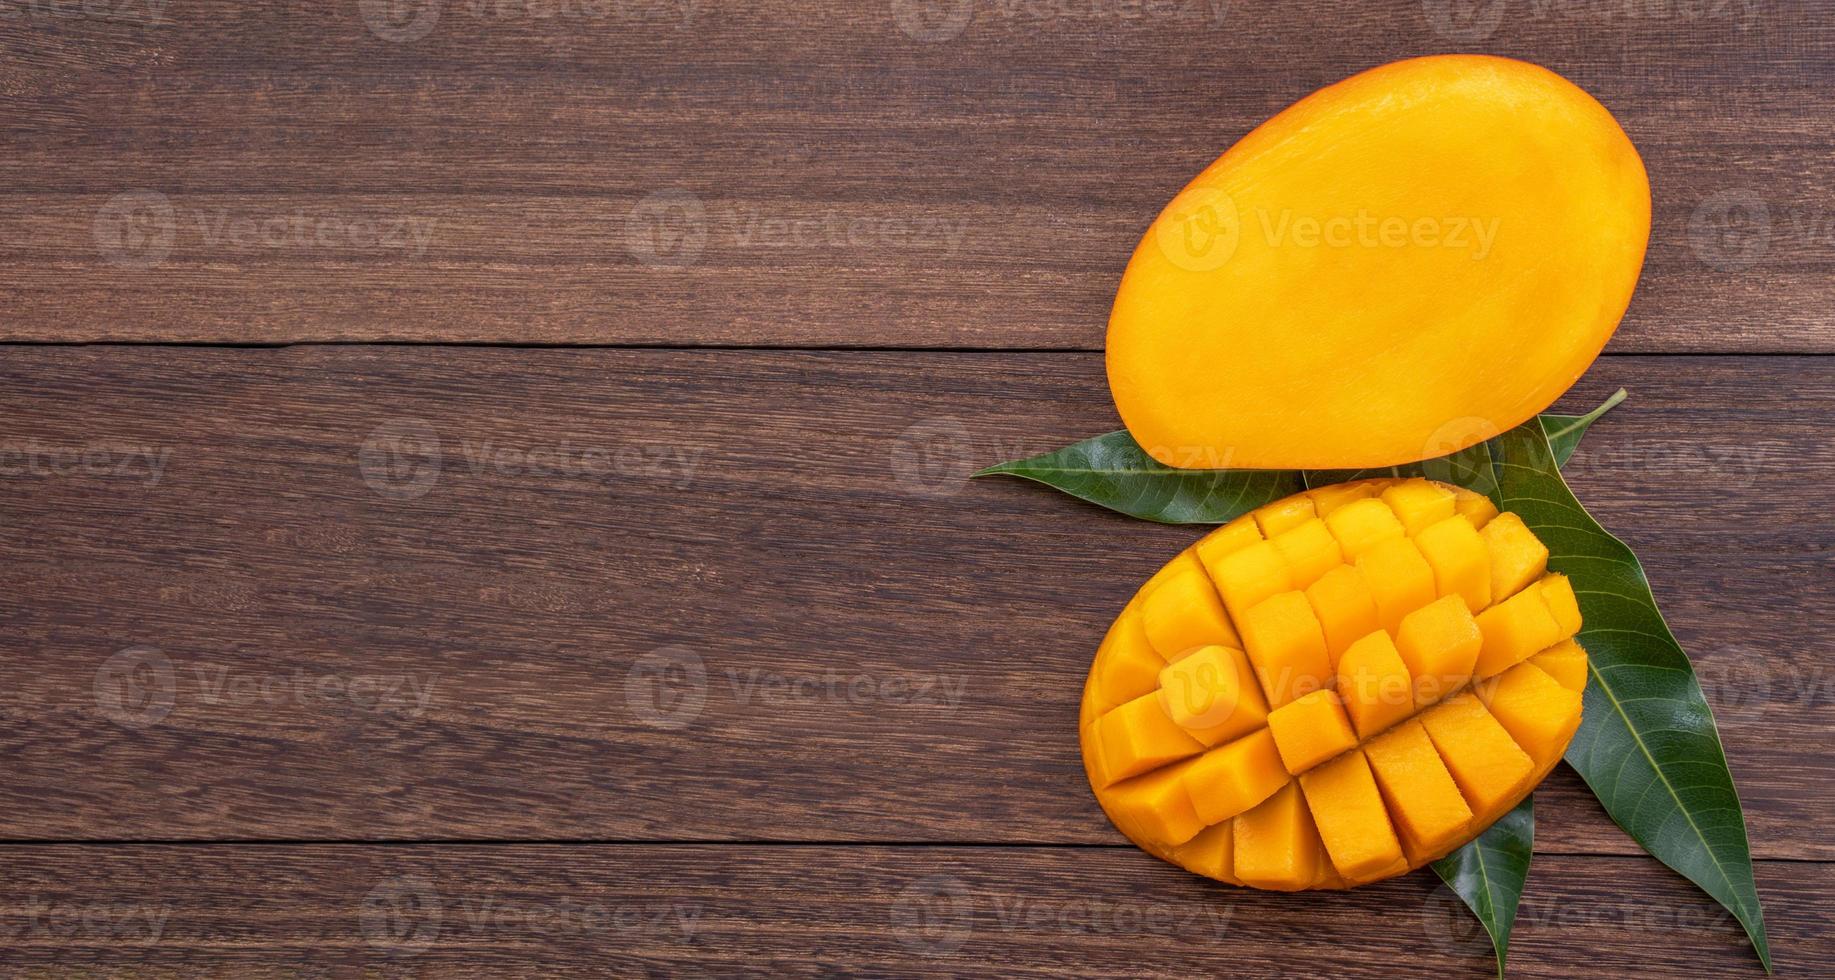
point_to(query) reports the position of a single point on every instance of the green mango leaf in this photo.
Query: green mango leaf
(1469, 467)
(1564, 431)
(1113, 471)
(1648, 747)
(1488, 873)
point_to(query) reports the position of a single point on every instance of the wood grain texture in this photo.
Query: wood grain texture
(648, 910)
(772, 609)
(933, 173)
(780, 691)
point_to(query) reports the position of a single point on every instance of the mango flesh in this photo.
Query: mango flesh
(1398, 266)
(1283, 761)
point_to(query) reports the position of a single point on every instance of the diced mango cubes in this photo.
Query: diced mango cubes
(1375, 684)
(1230, 779)
(1213, 694)
(1184, 612)
(1309, 551)
(1210, 853)
(1127, 666)
(1474, 507)
(1276, 845)
(1156, 806)
(1310, 730)
(1534, 708)
(1228, 539)
(1488, 767)
(1525, 624)
(1283, 514)
(1139, 736)
(1353, 823)
(1400, 580)
(1558, 592)
(1330, 498)
(1456, 553)
(1566, 662)
(1247, 576)
(1335, 687)
(1287, 647)
(1418, 503)
(1362, 525)
(1344, 607)
(1429, 813)
(1517, 556)
(1439, 642)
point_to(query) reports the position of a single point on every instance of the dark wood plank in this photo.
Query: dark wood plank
(886, 652)
(278, 911)
(982, 188)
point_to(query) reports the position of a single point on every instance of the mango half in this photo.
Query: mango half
(1337, 688)
(1397, 266)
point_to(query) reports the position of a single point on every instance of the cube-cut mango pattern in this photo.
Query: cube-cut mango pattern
(1462, 566)
(1287, 647)
(1566, 663)
(1346, 610)
(1400, 580)
(1419, 503)
(1362, 525)
(1276, 845)
(1537, 711)
(1283, 514)
(1352, 820)
(1184, 612)
(1213, 695)
(1430, 814)
(1335, 688)
(1310, 730)
(1517, 556)
(1308, 550)
(1375, 684)
(1439, 642)
(1224, 782)
(1474, 507)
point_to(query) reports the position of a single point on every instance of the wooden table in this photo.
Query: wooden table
(483, 481)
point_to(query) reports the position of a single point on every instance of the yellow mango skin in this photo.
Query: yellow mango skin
(1240, 339)
(1194, 761)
